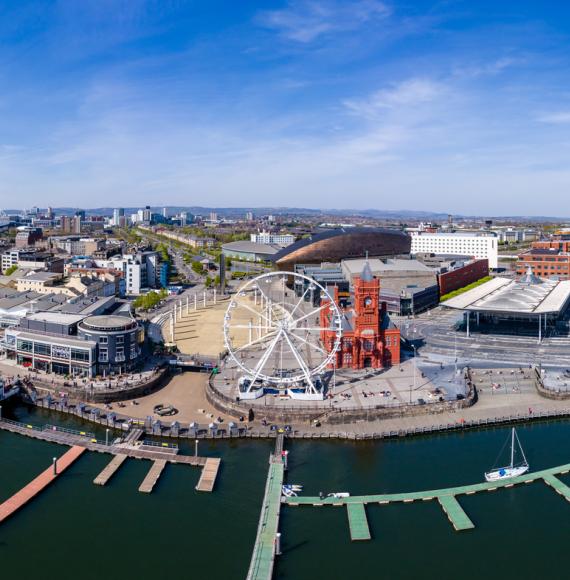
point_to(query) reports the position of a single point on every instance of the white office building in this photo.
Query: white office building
(478, 245)
(118, 213)
(9, 259)
(270, 238)
(140, 270)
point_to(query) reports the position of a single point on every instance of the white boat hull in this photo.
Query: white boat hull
(506, 473)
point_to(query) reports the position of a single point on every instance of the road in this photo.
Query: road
(439, 341)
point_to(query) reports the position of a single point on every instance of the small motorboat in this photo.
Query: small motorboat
(293, 487)
(288, 492)
(339, 494)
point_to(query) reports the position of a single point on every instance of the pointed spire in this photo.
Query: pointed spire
(366, 274)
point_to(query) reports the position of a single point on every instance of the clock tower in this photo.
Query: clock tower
(367, 301)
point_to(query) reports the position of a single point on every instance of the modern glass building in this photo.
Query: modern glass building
(75, 345)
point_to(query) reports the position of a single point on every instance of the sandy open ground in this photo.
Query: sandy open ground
(185, 391)
(201, 331)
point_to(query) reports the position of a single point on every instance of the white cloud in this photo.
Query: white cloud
(306, 20)
(491, 68)
(411, 92)
(557, 118)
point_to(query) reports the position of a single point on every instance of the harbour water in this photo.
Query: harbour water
(75, 529)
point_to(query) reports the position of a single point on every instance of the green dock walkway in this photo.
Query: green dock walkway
(458, 518)
(265, 549)
(446, 497)
(557, 485)
(357, 522)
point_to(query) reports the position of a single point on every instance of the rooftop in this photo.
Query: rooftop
(352, 232)
(509, 296)
(108, 322)
(457, 234)
(252, 247)
(40, 277)
(56, 317)
(355, 267)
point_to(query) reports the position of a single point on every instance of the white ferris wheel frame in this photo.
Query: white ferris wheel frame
(281, 332)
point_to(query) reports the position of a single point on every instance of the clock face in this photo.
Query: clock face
(367, 301)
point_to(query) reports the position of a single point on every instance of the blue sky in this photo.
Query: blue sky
(447, 106)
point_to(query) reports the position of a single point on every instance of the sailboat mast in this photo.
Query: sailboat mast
(513, 447)
(522, 450)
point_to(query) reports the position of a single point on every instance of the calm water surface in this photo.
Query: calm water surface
(75, 529)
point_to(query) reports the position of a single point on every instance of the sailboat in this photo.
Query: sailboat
(512, 470)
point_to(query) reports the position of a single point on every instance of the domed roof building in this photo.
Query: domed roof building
(343, 243)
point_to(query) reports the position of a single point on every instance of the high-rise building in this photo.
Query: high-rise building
(144, 215)
(118, 212)
(249, 216)
(76, 224)
(164, 212)
(65, 224)
(213, 216)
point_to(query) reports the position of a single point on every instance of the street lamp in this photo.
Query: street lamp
(414, 349)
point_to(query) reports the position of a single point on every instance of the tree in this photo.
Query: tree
(150, 299)
(197, 267)
(9, 271)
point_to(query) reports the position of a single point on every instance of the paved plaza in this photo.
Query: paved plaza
(369, 388)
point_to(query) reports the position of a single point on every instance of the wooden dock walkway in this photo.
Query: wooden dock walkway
(357, 522)
(152, 476)
(92, 444)
(110, 469)
(22, 497)
(209, 474)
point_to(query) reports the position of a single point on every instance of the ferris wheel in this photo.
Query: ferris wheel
(275, 334)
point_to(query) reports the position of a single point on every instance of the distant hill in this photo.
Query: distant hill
(402, 214)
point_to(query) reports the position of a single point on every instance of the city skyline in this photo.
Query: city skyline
(447, 107)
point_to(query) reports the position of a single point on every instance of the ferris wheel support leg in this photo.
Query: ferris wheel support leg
(263, 360)
(302, 364)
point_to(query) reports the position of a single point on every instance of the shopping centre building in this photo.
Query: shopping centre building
(75, 344)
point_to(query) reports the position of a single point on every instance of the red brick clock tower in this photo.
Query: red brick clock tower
(372, 341)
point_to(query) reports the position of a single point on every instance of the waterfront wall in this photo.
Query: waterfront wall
(336, 416)
(107, 395)
(164, 429)
(546, 392)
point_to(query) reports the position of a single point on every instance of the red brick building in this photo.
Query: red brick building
(369, 338)
(549, 258)
(461, 277)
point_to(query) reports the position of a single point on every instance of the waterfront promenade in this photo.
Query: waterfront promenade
(488, 411)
